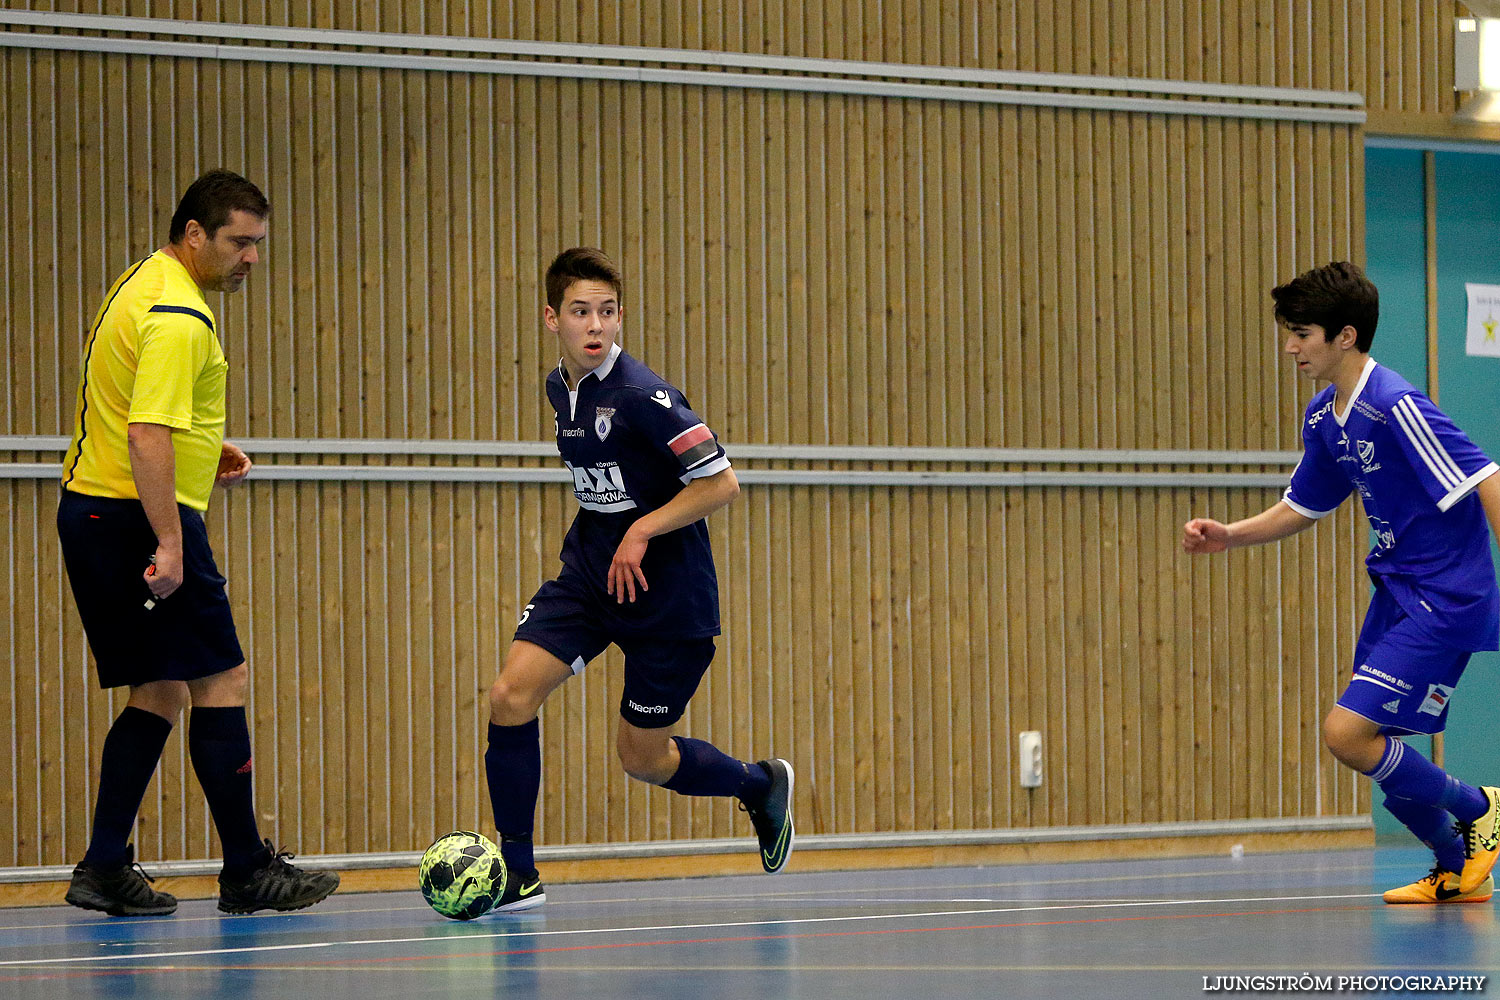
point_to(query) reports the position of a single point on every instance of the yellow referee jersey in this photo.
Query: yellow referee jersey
(152, 356)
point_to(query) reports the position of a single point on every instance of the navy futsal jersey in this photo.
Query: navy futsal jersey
(1415, 472)
(632, 443)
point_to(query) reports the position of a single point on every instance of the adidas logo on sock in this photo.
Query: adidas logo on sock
(1392, 706)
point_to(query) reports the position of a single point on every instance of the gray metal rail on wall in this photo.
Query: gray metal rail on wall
(327, 47)
(750, 476)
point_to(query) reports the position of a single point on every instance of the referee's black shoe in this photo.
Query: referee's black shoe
(523, 890)
(120, 892)
(772, 816)
(276, 885)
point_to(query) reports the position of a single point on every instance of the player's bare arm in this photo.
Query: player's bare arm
(234, 465)
(1204, 535)
(153, 467)
(698, 499)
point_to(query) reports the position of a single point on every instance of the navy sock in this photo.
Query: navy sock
(219, 745)
(1404, 773)
(1433, 827)
(513, 767)
(131, 751)
(707, 770)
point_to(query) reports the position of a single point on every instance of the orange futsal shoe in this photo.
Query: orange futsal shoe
(1481, 843)
(1439, 886)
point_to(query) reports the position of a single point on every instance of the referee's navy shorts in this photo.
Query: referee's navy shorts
(107, 543)
(661, 672)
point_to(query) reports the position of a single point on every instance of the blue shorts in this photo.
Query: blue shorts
(107, 543)
(1403, 678)
(661, 672)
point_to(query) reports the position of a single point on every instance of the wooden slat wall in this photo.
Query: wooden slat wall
(811, 269)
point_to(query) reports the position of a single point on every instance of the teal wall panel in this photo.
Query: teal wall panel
(1468, 250)
(1395, 258)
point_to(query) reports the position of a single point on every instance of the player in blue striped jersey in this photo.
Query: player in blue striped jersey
(637, 572)
(1427, 491)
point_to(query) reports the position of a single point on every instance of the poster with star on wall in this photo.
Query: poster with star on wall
(1484, 320)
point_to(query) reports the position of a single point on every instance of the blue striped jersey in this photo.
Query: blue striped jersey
(1415, 472)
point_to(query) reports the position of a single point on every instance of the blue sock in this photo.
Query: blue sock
(1405, 774)
(127, 761)
(219, 746)
(513, 767)
(707, 770)
(1433, 827)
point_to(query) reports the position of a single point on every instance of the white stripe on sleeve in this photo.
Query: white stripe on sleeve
(1466, 487)
(1419, 432)
(1307, 512)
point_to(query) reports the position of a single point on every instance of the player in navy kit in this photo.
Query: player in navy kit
(1427, 491)
(637, 572)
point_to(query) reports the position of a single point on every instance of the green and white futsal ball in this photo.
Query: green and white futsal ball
(462, 875)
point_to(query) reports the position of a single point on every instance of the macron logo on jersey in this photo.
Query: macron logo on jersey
(660, 396)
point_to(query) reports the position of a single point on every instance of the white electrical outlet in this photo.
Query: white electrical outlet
(1029, 755)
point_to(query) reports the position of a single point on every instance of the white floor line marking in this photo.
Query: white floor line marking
(787, 894)
(177, 920)
(466, 938)
(1011, 883)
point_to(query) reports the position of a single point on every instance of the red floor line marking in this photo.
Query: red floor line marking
(386, 960)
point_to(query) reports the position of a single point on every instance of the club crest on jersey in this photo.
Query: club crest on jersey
(1342, 452)
(603, 421)
(1367, 456)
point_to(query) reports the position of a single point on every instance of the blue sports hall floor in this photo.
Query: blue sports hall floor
(1129, 928)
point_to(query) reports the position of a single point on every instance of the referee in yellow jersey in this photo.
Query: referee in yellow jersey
(148, 446)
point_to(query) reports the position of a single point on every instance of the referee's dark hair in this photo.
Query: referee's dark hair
(580, 264)
(1333, 296)
(211, 198)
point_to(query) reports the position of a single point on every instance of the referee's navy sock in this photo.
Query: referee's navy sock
(1406, 774)
(219, 745)
(131, 751)
(513, 767)
(1433, 827)
(707, 770)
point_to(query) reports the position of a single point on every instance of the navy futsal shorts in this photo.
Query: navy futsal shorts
(107, 543)
(661, 672)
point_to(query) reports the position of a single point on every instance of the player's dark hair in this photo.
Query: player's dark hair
(1333, 296)
(211, 198)
(580, 264)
